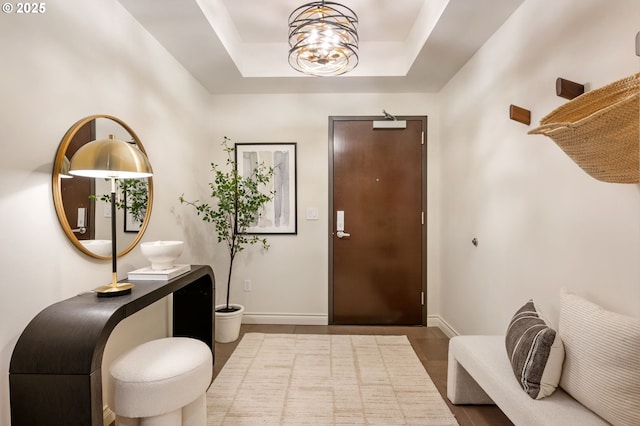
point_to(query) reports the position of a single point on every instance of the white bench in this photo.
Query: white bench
(479, 372)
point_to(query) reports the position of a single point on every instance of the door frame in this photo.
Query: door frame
(331, 219)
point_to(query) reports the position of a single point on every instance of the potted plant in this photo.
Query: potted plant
(240, 202)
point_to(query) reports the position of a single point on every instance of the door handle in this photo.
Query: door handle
(342, 234)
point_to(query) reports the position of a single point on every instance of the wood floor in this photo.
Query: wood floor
(430, 344)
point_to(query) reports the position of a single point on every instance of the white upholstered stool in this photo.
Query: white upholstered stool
(162, 383)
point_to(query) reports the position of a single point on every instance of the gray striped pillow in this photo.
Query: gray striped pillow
(535, 351)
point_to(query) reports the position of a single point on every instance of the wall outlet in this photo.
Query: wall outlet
(247, 285)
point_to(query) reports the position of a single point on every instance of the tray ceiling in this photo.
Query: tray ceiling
(240, 46)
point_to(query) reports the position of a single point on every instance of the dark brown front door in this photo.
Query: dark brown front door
(377, 190)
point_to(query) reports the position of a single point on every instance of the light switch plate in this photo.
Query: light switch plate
(312, 213)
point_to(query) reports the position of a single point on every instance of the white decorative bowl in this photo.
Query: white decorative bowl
(99, 247)
(162, 254)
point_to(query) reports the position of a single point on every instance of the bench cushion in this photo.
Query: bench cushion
(485, 359)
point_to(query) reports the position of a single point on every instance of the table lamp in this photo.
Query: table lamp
(112, 159)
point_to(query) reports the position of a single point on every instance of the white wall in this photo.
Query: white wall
(77, 59)
(290, 281)
(542, 223)
(81, 58)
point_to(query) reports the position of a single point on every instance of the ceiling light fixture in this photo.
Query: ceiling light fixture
(323, 39)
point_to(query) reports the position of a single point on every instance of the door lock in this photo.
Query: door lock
(340, 225)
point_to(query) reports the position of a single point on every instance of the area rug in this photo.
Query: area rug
(300, 379)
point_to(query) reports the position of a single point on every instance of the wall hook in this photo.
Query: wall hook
(520, 114)
(568, 89)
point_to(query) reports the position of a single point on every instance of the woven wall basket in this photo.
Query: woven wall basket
(599, 130)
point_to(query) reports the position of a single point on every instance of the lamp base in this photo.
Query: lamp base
(111, 290)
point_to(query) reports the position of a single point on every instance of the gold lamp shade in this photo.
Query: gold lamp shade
(64, 169)
(110, 158)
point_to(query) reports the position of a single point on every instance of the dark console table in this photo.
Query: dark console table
(55, 375)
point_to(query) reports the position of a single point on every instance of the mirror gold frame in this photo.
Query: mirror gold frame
(58, 165)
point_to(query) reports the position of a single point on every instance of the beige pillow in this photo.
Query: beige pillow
(602, 359)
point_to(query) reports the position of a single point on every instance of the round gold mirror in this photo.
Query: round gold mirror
(83, 204)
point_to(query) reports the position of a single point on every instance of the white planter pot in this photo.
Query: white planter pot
(228, 324)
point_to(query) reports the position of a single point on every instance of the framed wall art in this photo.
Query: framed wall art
(280, 214)
(131, 223)
(135, 193)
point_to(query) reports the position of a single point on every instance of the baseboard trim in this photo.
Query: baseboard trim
(321, 319)
(108, 416)
(284, 319)
(437, 321)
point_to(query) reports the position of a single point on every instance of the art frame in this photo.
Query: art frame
(280, 216)
(135, 201)
(130, 223)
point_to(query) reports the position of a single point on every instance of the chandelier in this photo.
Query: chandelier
(323, 39)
